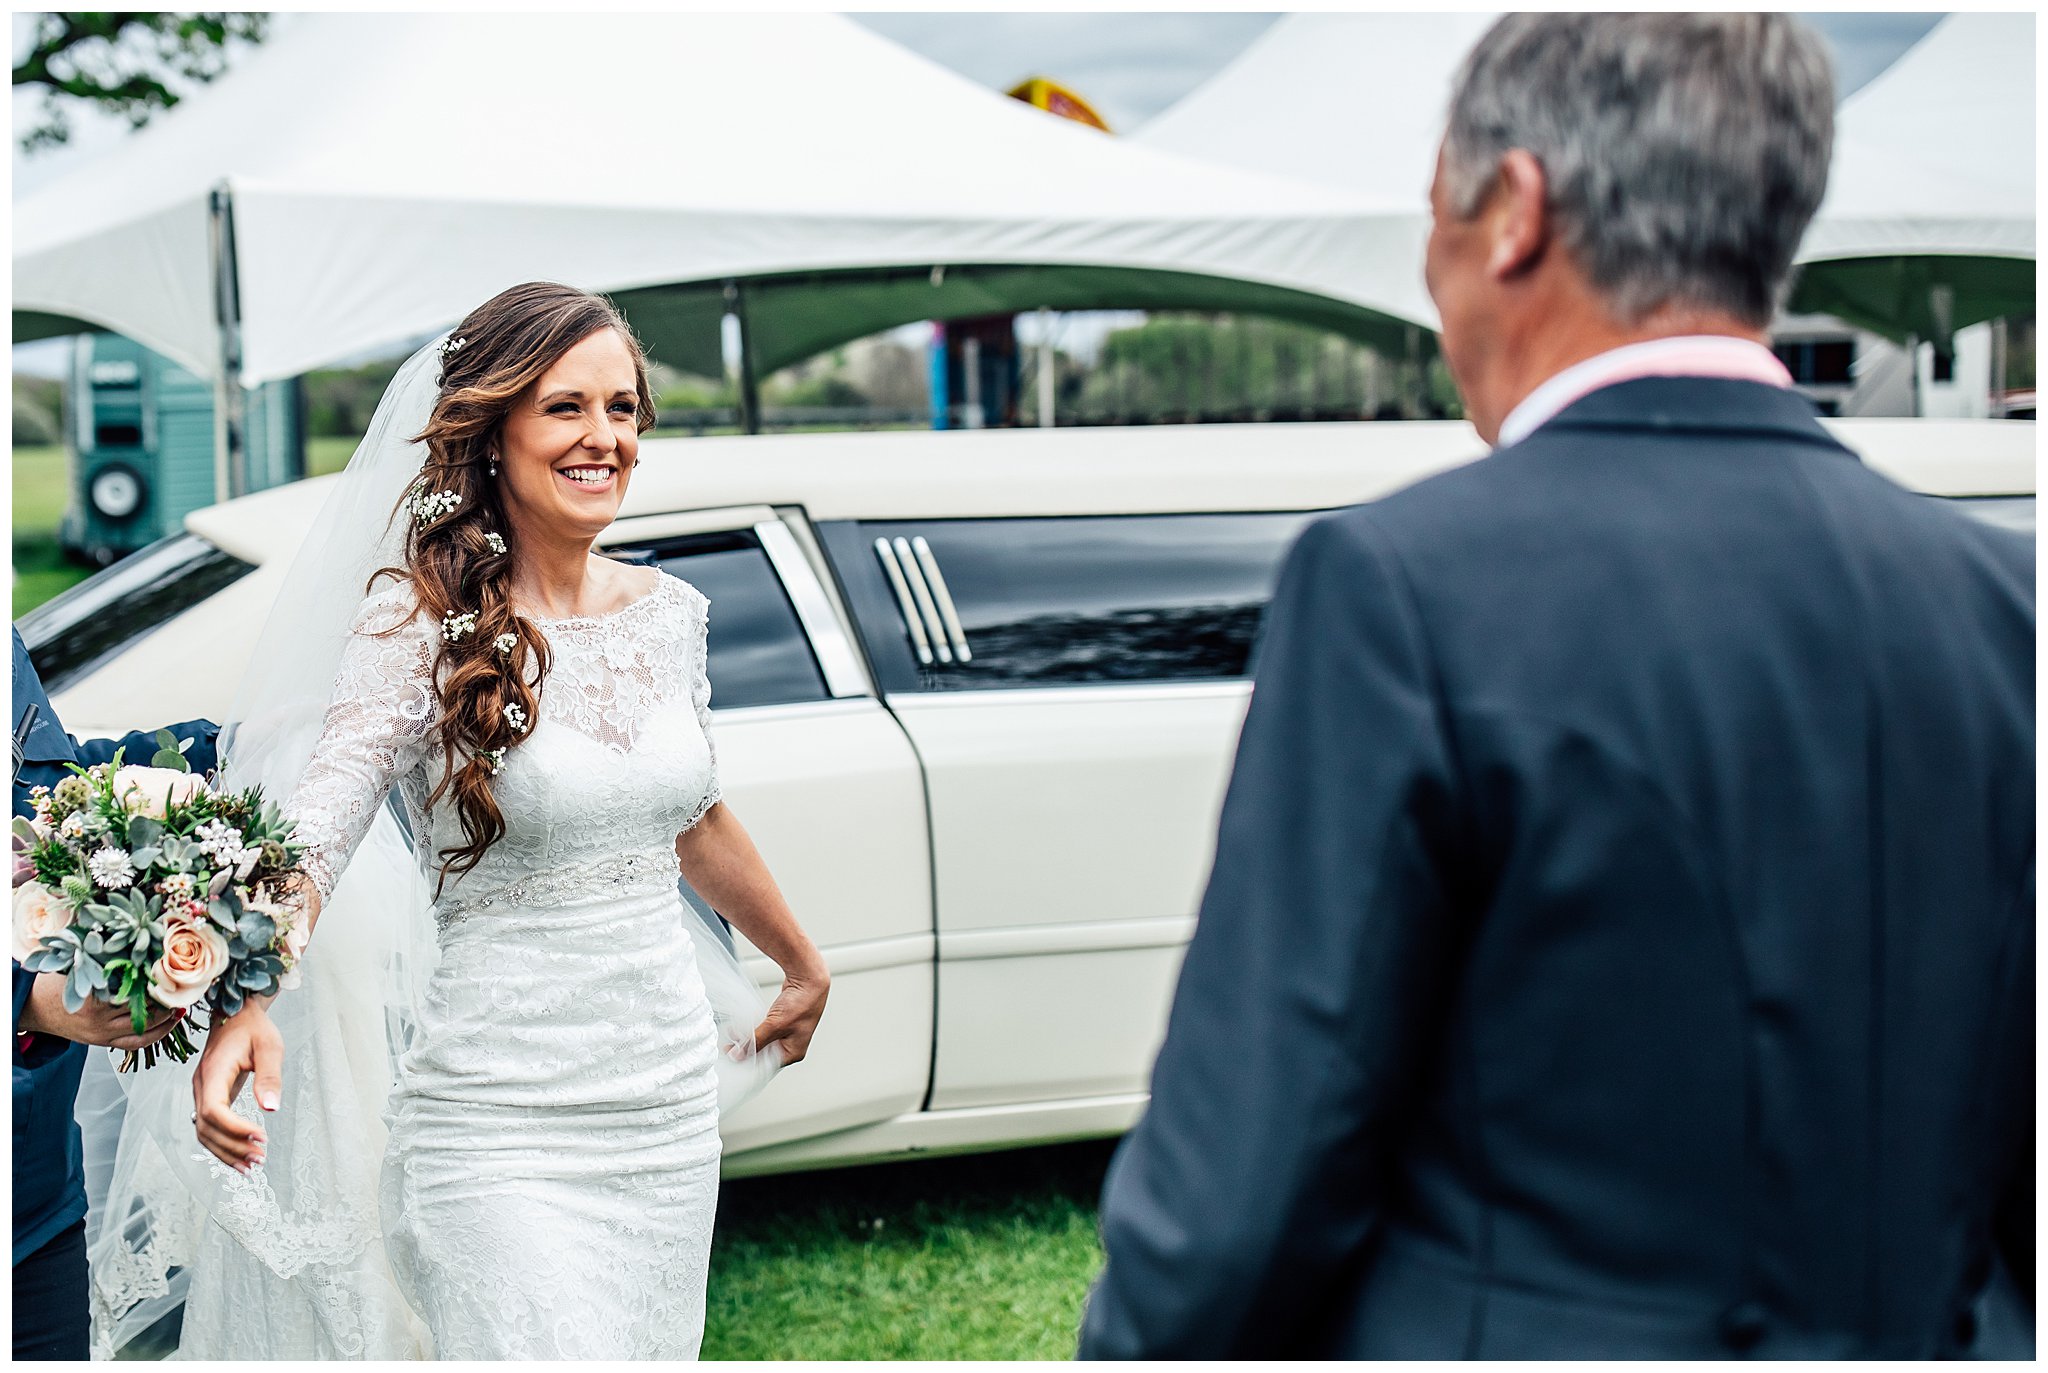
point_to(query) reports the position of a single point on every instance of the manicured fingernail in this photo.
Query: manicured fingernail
(269, 1100)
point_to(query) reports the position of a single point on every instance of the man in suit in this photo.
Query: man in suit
(50, 1308)
(1620, 941)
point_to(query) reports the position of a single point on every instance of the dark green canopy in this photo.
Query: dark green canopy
(1925, 297)
(792, 317)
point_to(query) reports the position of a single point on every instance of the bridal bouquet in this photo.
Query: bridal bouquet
(141, 884)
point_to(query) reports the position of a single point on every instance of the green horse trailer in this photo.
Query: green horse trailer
(140, 430)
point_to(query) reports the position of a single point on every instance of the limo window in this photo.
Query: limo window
(759, 653)
(1070, 601)
(73, 633)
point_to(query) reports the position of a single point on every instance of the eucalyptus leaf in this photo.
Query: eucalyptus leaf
(144, 830)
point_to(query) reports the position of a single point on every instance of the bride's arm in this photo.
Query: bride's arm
(377, 719)
(722, 865)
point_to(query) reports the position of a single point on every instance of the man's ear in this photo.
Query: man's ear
(1521, 216)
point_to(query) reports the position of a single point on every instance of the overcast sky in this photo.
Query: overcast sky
(1132, 66)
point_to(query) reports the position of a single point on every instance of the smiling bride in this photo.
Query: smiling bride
(490, 1127)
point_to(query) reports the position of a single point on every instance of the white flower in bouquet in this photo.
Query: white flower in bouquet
(195, 953)
(219, 840)
(146, 791)
(179, 886)
(111, 869)
(37, 912)
(73, 826)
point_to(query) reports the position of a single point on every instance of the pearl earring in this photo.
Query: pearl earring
(494, 465)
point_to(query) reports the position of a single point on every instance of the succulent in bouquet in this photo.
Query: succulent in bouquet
(143, 884)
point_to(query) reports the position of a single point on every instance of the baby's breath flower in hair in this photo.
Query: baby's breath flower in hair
(496, 758)
(454, 627)
(430, 506)
(506, 643)
(515, 716)
(496, 541)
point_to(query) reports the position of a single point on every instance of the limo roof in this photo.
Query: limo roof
(1125, 470)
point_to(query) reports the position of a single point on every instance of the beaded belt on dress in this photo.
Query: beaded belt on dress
(616, 875)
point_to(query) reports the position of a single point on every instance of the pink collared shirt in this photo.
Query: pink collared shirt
(1694, 355)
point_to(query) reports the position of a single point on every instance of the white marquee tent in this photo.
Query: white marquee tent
(1933, 179)
(1352, 101)
(379, 174)
(1928, 224)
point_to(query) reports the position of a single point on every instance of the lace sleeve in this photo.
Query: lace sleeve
(375, 730)
(700, 692)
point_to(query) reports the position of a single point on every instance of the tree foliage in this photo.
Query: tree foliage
(128, 64)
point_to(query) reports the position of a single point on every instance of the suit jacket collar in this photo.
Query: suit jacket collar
(1694, 405)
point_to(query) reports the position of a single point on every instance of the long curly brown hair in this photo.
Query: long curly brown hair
(456, 557)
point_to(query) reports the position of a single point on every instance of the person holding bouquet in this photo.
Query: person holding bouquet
(481, 1120)
(50, 1046)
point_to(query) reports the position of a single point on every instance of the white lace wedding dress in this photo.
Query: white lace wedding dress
(551, 1173)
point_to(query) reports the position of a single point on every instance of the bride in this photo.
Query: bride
(542, 1053)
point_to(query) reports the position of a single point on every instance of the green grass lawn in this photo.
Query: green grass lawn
(41, 569)
(987, 1256)
(981, 1257)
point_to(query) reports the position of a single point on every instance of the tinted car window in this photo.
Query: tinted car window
(2007, 512)
(759, 654)
(71, 634)
(1075, 601)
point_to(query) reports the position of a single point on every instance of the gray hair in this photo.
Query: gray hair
(1683, 154)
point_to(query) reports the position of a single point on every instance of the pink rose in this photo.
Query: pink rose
(145, 791)
(38, 911)
(195, 954)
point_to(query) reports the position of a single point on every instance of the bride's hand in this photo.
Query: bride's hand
(793, 1019)
(246, 1042)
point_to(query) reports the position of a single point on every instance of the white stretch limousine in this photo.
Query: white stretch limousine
(976, 698)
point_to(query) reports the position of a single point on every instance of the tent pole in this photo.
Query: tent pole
(228, 478)
(749, 387)
(1913, 373)
(1045, 392)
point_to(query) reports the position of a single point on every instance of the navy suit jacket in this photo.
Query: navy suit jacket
(1621, 935)
(49, 1182)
